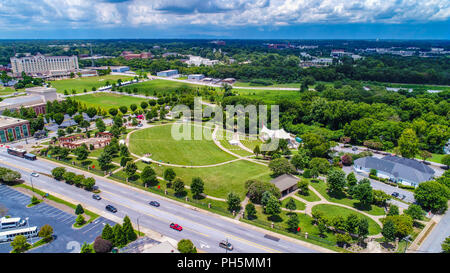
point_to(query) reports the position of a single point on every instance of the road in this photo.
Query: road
(434, 240)
(204, 229)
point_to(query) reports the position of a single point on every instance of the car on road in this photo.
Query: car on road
(176, 227)
(354, 148)
(96, 197)
(395, 194)
(111, 209)
(34, 174)
(154, 203)
(226, 245)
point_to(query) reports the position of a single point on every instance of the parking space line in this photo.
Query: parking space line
(55, 214)
(92, 227)
(65, 218)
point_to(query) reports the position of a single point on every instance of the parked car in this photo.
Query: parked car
(96, 197)
(354, 148)
(176, 227)
(111, 209)
(395, 194)
(34, 174)
(226, 245)
(154, 203)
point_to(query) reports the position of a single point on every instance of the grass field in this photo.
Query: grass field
(7, 90)
(158, 142)
(108, 100)
(321, 187)
(156, 87)
(221, 180)
(331, 211)
(268, 96)
(79, 84)
(300, 205)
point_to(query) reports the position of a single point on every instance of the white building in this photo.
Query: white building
(44, 65)
(267, 134)
(197, 61)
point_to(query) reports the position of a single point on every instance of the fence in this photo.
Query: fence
(197, 203)
(299, 234)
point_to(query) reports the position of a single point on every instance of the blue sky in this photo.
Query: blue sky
(255, 19)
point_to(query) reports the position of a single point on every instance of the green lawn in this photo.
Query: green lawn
(158, 142)
(268, 96)
(300, 205)
(331, 211)
(321, 187)
(108, 100)
(79, 84)
(311, 197)
(436, 158)
(157, 87)
(7, 90)
(221, 180)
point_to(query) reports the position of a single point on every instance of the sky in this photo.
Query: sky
(225, 19)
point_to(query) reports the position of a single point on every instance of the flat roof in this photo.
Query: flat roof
(14, 231)
(9, 220)
(8, 121)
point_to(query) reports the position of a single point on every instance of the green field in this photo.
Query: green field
(267, 96)
(155, 87)
(7, 90)
(108, 100)
(300, 205)
(331, 211)
(79, 84)
(158, 142)
(223, 179)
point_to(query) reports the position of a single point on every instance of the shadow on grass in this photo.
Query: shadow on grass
(275, 218)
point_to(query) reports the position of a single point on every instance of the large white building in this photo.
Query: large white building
(40, 65)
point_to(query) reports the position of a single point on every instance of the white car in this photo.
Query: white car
(35, 174)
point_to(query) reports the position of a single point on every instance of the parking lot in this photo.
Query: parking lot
(67, 239)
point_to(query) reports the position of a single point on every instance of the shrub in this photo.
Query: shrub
(79, 210)
(102, 245)
(186, 246)
(58, 173)
(80, 220)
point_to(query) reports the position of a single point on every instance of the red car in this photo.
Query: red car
(176, 227)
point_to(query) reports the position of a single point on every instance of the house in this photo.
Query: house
(397, 169)
(286, 183)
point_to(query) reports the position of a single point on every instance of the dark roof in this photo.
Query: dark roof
(285, 181)
(398, 167)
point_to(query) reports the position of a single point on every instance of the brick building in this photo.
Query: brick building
(13, 129)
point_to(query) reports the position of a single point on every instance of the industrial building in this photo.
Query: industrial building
(167, 73)
(36, 98)
(196, 77)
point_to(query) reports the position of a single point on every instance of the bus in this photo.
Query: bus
(29, 156)
(7, 223)
(16, 152)
(9, 235)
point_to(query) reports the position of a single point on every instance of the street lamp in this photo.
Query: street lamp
(406, 239)
(137, 220)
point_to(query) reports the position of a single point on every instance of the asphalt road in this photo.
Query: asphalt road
(434, 240)
(204, 230)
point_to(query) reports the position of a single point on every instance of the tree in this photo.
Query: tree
(290, 205)
(186, 246)
(85, 124)
(123, 109)
(300, 160)
(250, 211)
(257, 150)
(79, 210)
(113, 112)
(178, 186)
(89, 183)
(69, 177)
(120, 238)
(58, 118)
(144, 105)
(415, 211)
(322, 227)
(130, 168)
(256, 188)
(104, 160)
(320, 164)
(102, 246)
(78, 119)
(34, 200)
(169, 174)
(380, 198)
(339, 223)
(234, 202)
(336, 181)
(100, 124)
(91, 112)
(20, 244)
(446, 245)
(408, 143)
(128, 229)
(303, 186)
(87, 248)
(281, 166)
(347, 160)
(80, 220)
(81, 152)
(46, 232)
(343, 239)
(351, 180)
(363, 229)
(446, 160)
(363, 192)
(273, 206)
(197, 186)
(124, 150)
(108, 233)
(58, 173)
(403, 224)
(432, 196)
(388, 231)
(393, 210)
(133, 107)
(352, 223)
(148, 176)
(425, 155)
(293, 222)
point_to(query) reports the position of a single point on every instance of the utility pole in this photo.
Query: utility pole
(31, 180)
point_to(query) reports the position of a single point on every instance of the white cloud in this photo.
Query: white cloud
(160, 13)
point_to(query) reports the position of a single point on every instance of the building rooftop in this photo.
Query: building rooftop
(399, 167)
(284, 182)
(8, 121)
